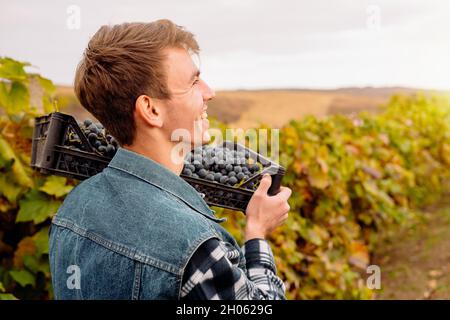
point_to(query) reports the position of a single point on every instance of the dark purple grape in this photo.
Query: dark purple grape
(93, 128)
(232, 181)
(202, 173)
(223, 179)
(217, 176)
(197, 164)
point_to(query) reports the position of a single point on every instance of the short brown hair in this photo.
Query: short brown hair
(122, 62)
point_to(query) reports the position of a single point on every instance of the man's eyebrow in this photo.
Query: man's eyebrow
(195, 74)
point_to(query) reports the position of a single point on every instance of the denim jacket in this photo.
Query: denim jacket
(129, 232)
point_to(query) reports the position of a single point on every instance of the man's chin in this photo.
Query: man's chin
(205, 139)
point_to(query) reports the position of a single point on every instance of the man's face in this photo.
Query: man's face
(190, 94)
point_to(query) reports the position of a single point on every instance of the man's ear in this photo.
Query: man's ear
(149, 111)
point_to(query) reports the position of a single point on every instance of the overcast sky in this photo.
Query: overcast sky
(255, 44)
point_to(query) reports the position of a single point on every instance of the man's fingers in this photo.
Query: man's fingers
(264, 185)
(282, 219)
(285, 192)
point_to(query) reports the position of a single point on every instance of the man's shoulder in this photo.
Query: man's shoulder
(109, 194)
(113, 185)
(143, 219)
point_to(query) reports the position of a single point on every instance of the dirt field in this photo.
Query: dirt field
(247, 109)
(415, 264)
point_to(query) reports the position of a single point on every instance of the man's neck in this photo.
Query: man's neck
(159, 151)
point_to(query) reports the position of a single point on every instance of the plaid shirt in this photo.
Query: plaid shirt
(216, 272)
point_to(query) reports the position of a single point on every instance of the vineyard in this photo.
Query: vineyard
(355, 181)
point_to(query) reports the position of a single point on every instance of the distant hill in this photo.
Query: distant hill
(249, 108)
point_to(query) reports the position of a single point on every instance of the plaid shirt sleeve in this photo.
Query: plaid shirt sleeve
(214, 273)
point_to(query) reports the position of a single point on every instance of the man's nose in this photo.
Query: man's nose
(209, 93)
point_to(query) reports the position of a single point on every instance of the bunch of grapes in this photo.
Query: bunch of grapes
(102, 142)
(221, 165)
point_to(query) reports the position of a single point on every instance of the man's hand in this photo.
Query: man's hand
(265, 213)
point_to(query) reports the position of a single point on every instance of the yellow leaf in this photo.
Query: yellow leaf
(56, 186)
(318, 179)
(359, 255)
(26, 247)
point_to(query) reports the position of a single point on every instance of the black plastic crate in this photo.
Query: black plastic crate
(51, 155)
(237, 198)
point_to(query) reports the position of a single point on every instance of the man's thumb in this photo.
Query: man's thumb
(265, 183)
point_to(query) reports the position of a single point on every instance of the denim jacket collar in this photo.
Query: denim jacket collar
(154, 173)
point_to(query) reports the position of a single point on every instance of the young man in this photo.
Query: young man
(137, 230)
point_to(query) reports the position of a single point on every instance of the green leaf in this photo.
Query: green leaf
(2, 288)
(7, 296)
(20, 176)
(56, 186)
(4, 96)
(37, 207)
(48, 105)
(49, 89)
(19, 98)
(23, 277)
(41, 241)
(6, 164)
(13, 70)
(32, 263)
(36, 265)
(9, 189)
(16, 99)
(372, 189)
(47, 85)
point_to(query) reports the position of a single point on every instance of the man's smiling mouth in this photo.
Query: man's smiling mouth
(204, 115)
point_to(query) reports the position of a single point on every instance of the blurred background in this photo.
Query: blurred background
(322, 57)
(359, 91)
